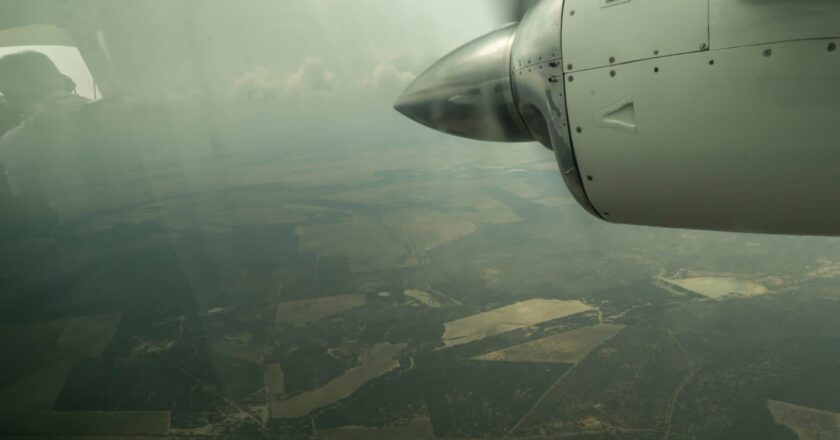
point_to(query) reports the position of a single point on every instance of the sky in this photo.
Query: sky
(344, 46)
(301, 46)
(331, 69)
(344, 62)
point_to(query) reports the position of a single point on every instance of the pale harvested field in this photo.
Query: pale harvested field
(555, 202)
(827, 269)
(239, 347)
(504, 319)
(420, 428)
(368, 245)
(425, 298)
(718, 287)
(807, 423)
(522, 189)
(305, 311)
(380, 360)
(274, 379)
(275, 384)
(566, 347)
(428, 229)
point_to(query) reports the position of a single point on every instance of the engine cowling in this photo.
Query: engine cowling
(704, 114)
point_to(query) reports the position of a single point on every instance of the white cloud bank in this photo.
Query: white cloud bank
(386, 75)
(312, 77)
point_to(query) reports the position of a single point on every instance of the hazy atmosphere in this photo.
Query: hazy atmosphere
(234, 235)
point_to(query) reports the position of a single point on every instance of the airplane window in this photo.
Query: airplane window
(69, 61)
(335, 219)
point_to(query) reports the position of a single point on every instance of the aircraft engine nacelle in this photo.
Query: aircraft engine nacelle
(707, 114)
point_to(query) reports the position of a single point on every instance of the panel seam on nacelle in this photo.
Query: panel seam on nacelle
(588, 205)
(763, 43)
(623, 63)
(711, 50)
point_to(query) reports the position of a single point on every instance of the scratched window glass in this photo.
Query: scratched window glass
(282, 219)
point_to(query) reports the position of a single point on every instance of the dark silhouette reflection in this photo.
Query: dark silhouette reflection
(36, 154)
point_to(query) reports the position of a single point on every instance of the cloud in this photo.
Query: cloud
(259, 84)
(311, 78)
(388, 76)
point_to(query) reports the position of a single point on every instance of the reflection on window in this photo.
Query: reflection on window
(69, 62)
